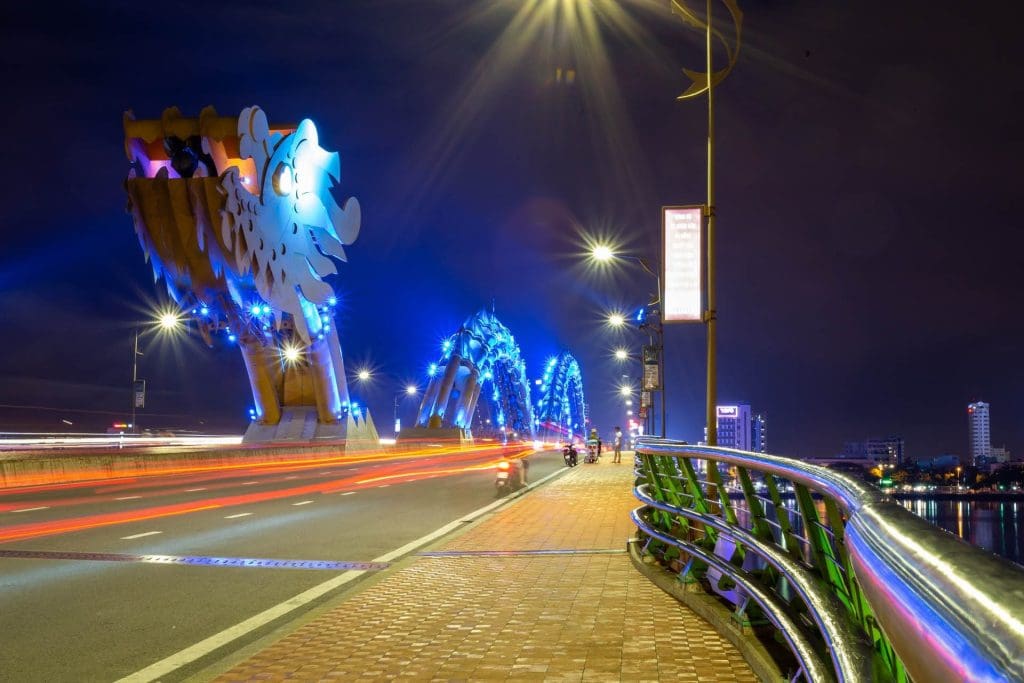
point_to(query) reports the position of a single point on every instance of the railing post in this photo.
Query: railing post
(821, 547)
(789, 542)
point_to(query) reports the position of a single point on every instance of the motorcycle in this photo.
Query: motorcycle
(511, 476)
(570, 455)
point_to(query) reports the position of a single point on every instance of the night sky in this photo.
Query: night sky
(869, 248)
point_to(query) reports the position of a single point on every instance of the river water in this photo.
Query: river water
(997, 526)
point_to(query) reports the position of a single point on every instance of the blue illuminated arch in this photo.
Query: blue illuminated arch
(561, 410)
(481, 358)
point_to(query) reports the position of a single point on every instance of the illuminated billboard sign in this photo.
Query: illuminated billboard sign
(727, 411)
(681, 233)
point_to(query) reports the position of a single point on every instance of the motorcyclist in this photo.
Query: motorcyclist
(570, 454)
(516, 468)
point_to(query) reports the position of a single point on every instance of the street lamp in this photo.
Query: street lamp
(291, 353)
(602, 253)
(363, 375)
(169, 321)
(165, 322)
(625, 390)
(706, 83)
(654, 353)
(410, 390)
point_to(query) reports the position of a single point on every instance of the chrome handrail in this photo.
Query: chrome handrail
(948, 610)
(846, 649)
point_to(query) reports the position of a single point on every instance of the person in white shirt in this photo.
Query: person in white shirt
(618, 444)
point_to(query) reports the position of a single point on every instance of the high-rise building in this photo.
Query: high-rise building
(759, 433)
(980, 435)
(734, 427)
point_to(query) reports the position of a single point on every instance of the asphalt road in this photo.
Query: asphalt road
(67, 617)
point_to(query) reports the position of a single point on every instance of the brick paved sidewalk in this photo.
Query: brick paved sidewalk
(559, 617)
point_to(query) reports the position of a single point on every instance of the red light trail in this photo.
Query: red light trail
(407, 467)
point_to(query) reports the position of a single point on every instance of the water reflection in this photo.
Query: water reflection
(997, 526)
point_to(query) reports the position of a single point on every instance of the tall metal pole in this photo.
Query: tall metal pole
(712, 387)
(661, 379)
(135, 375)
(661, 346)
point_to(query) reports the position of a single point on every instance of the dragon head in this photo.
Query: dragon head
(283, 225)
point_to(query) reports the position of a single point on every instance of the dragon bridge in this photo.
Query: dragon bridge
(483, 358)
(236, 216)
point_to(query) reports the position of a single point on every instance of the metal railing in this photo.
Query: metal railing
(857, 587)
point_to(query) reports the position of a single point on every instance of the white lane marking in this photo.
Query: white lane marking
(384, 486)
(348, 493)
(201, 488)
(248, 483)
(240, 514)
(302, 502)
(204, 647)
(45, 507)
(128, 498)
(142, 535)
(294, 476)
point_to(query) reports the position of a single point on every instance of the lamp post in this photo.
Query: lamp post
(363, 376)
(617, 320)
(165, 323)
(706, 83)
(606, 253)
(135, 380)
(410, 390)
(623, 355)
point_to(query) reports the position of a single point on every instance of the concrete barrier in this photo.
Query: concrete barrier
(46, 467)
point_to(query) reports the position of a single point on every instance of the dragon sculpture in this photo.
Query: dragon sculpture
(237, 217)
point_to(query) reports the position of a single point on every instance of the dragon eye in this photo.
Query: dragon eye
(283, 180)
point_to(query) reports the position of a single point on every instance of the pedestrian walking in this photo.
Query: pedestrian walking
(618, 444)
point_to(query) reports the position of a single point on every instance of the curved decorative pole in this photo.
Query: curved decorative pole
(706, 83)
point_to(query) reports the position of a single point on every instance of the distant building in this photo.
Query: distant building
(734, 427)
(1000, 454)
(980, 444)
(887, 451)
(759, 433)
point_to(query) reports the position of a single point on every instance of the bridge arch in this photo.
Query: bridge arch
(482, 356)
(560, 409)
